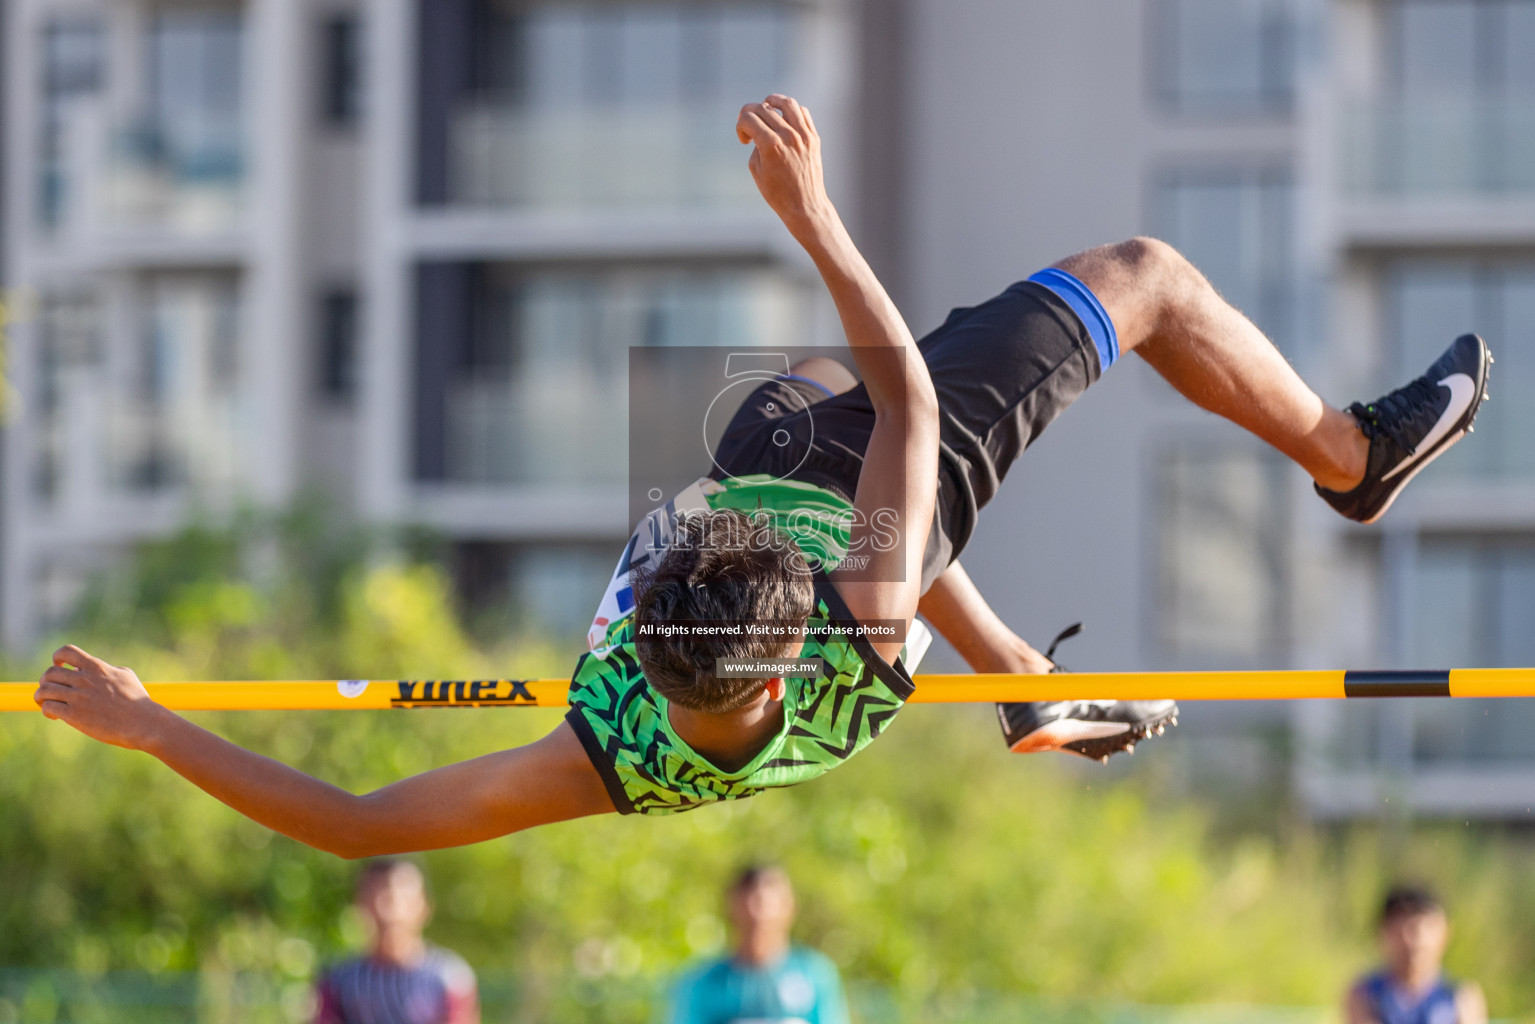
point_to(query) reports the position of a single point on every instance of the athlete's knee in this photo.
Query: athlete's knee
(1143, 266)
(1153, 259)
(1171, 284)
(1144, 283)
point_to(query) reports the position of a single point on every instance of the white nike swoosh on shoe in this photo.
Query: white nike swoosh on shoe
(1066, 730)
(1462, 392)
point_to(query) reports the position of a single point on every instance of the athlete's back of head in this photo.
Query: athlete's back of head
(722, 568)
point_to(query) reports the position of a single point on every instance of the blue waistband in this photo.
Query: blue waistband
(794, 376)
(1087, 307)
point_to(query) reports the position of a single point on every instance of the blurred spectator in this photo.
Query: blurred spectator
(402, 979)
(1411, 988)
(766, 979)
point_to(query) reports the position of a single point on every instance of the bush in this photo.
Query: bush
(934, 867)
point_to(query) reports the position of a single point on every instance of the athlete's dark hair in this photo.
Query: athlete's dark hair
(723, 566)
(1408, 900)
(380, 868)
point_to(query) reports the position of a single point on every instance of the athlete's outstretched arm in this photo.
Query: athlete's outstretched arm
(896, 487)
(956, 609)
(547, 781)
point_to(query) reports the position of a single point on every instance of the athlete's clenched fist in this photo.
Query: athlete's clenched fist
(786, 163)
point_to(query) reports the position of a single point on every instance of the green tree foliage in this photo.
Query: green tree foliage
(935, 867)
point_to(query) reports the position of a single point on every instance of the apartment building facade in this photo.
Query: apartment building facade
(394, 251)
(1354, 174)
(397, 251)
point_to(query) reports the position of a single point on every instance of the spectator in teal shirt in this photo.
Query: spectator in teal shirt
(766, 980)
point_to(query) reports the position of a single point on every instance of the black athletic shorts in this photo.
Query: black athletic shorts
(1003, 371)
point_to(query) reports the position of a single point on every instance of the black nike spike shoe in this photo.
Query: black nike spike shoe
(1094, 729)
(1413, 426)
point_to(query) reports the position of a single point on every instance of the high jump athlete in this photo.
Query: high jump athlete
(913, 452)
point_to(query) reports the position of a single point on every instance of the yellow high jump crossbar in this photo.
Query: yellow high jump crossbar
(358, 694)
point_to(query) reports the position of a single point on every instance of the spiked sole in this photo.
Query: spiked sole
(1102, 748)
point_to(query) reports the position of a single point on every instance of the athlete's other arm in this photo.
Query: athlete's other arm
(547, 781)
(956, 609)
(896, 487)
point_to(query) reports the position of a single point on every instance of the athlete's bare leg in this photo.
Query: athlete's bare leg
(1164, 309)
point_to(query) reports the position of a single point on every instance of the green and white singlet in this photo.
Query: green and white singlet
(622, 722)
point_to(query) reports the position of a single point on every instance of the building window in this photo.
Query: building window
(338, 344)
(177, 417)
(1221, 555)
(341, 94)
(74, 70)
(1428, 304)
(1457, 116)
(550, 588)
(177, 161)
(195, 93)
(1473, 603)
(1440, 48)
(1237, 225)
(1225, 56)
(522, 372)
(69, 349)
(574, 104)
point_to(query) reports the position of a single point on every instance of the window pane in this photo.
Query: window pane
(552, 585)
(1515, 612)
(195, 102)
(72, 58)
(651, 58)
(177, 162)
(1516, 44)
(1221, 554)
(177, 420)
(556, 58)
(1431, 303)
(341, 102)
(1505, 432)
(1447, 599)
(1237, 228)
(1472, 606)
(753, 51)
(74, 70)
(68, 353)
(1437, 51)
(537, 391)
(567, 135)
(1461, 120)
(338, 344)
(1226, 55)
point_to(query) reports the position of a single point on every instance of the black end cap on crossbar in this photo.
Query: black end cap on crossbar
(1413, 683)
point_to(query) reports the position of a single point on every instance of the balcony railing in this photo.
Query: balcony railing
(537, 431)
(198, 188)
(1448, 148)
(604, 157)
(132, 175)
